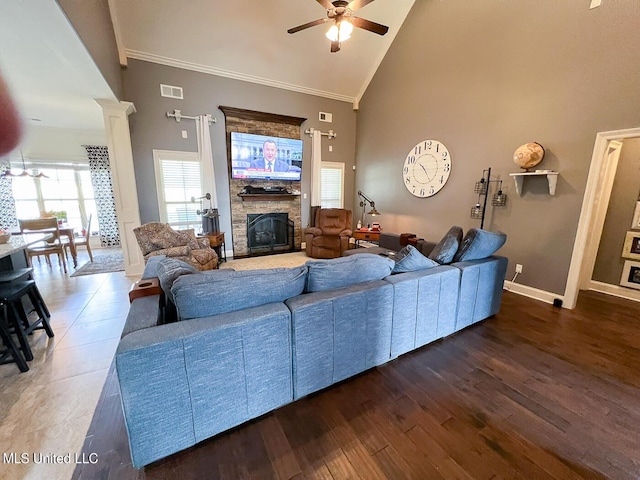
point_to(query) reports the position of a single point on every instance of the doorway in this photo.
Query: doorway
(604, 162)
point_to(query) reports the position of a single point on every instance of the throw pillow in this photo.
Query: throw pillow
(169, 269)
(188, 237)
(409, 259)
(344, 271)
(479, 244)
(445, 249)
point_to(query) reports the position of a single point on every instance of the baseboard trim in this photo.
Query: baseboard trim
(535, 293)
(614, 290)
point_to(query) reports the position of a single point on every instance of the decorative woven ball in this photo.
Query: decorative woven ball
(528, 155)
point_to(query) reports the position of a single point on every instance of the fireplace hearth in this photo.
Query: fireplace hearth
(269, 233)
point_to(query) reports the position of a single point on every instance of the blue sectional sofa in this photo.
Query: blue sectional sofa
(249, 342)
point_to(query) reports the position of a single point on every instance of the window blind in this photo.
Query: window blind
(332, 185)
(179, 178)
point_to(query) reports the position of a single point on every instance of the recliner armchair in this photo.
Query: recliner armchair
(329, 238)
(160, 239)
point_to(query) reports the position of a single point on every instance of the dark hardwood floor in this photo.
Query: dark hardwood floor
(535, 392)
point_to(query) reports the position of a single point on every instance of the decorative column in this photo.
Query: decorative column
(116, 123)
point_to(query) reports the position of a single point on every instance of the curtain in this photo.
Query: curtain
(8, 217)
(316, 160)
(206, 156)
(102, 183)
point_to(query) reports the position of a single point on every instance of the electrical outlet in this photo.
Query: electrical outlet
(518, 268)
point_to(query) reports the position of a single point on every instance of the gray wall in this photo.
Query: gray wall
(203, 93)
(483, 78)
(92, 21)
(626, 185)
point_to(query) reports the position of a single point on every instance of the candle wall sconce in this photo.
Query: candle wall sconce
(499, 199)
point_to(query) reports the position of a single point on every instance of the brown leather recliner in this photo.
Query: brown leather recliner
(330, 236)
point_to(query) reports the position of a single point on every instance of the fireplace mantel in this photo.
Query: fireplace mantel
(267, 197)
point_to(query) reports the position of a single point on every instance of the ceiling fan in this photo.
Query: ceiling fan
(340, 12)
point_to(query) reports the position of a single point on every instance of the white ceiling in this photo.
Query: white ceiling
(50, 73)
(248, 39)
(55, 81)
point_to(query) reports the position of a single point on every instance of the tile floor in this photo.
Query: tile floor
(48, 409)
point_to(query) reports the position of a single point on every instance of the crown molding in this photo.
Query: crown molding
(149, 57)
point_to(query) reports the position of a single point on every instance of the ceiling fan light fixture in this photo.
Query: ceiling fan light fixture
(340, 31)
(332, 33)
(346, 28)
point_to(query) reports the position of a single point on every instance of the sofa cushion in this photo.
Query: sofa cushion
(445, 249)
(223, 291)
(409, 259)
(478, 244)
(344, 271)
(169, 269)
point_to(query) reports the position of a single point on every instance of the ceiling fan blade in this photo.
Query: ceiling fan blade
(335, 46)
(308, 25)
(326, 4)
(369, 25)
(358, 4)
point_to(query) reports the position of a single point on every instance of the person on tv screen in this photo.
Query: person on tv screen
(269, 162)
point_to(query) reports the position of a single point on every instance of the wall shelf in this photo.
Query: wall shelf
(552, 179)
(267, 197)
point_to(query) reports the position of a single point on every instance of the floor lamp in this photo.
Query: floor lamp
(363, 203)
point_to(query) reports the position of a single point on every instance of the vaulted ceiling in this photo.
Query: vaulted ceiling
(55, 80)
(248, 39)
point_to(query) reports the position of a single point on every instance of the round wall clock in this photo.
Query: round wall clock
(426, 168)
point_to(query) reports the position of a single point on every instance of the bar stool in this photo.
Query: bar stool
(9, 276)
(11, 295)
(11, 353)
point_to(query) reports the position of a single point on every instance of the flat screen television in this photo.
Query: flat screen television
(262, 157)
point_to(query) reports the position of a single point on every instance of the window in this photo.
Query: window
(331, 185)
(68, 189)
(178, 179)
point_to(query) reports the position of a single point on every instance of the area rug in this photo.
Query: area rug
(288, 260)
(101, 264)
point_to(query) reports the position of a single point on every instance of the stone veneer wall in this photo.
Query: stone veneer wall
(238, 121)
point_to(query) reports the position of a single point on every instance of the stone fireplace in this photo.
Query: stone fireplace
(269, 233)
(243, 206)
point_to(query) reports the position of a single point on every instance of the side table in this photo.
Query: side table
(216, 241)
(366, 235)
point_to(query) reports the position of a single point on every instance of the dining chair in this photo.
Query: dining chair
(47, 225)
(83, 241)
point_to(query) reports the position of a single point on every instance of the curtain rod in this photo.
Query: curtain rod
(179, 116)
(331, 134)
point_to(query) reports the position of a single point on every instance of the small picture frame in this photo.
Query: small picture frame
(635, 224)
(631, 247)
(631, 275)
